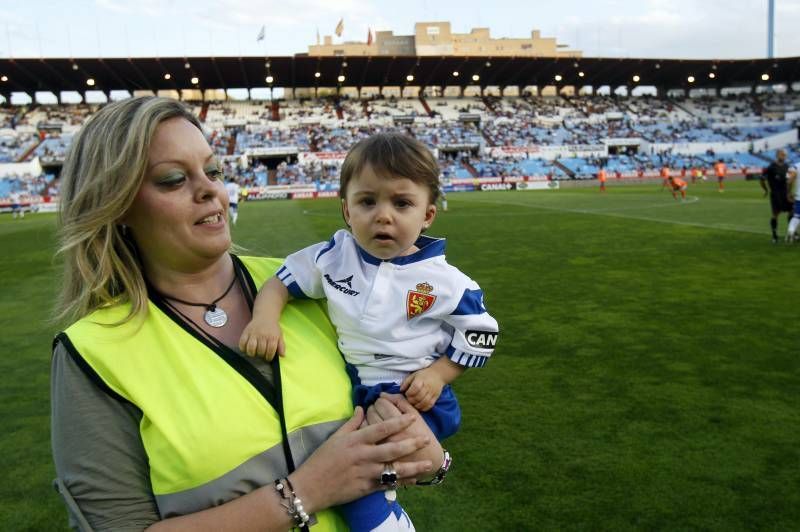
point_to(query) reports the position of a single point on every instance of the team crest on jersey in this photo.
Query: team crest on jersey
(419, 300)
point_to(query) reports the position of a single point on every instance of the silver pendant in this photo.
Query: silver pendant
(216, 317)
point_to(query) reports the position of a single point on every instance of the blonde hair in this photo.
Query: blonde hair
(102, 173)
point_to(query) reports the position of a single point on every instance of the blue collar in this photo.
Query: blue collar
(428, 247)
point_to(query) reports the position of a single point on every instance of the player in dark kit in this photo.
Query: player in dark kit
(774, 180)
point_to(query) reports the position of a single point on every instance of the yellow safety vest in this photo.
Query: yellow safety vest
(209, 433)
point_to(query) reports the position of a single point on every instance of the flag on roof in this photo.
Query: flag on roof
(369, 36)
(261, 34)
(340, 28)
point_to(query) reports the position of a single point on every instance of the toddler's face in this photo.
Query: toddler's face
(387, 214)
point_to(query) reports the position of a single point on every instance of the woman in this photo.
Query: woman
(156, 420)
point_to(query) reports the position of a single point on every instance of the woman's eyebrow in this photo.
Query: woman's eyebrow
(179, 161)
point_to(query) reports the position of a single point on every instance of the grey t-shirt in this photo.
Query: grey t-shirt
(102, 467)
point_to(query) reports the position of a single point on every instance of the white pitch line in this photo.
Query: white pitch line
(616, 215)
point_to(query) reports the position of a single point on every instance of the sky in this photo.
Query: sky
(701, 29)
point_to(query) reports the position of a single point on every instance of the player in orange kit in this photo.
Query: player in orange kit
(677, 184)
(664, 176)
(601, 176)
(721, 170)
(696, 174)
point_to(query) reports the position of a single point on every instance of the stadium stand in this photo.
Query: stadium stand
(303, 141)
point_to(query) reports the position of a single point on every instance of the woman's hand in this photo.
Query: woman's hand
(393, 406)
(349, 464)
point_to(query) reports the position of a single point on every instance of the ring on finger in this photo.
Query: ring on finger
(388, 477)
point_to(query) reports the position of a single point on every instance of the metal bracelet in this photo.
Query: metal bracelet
(438, 478)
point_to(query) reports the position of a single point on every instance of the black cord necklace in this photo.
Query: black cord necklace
(214, 316)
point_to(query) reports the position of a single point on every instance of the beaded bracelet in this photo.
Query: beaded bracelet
(293, 506)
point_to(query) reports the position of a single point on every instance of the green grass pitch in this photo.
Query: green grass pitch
(647, 375)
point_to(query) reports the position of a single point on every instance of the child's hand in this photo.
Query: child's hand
(262, 339)
(422, 388)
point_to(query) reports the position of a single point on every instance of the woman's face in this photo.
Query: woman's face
(179, 217)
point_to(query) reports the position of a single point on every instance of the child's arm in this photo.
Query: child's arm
(423, 387)
(263, 336)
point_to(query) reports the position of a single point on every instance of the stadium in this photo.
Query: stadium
(646, 374)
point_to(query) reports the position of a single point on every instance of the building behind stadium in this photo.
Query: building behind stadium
(438, 39)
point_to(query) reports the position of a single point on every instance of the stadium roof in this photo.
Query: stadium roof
(61, 74)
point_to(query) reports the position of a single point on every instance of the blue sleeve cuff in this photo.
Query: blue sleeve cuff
(466, 359)
(286, 277)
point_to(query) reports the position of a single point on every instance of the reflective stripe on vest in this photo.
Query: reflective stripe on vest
(209, 435)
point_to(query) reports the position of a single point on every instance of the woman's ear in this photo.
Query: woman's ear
(122, 221)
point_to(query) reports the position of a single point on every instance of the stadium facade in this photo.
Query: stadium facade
(438, 39)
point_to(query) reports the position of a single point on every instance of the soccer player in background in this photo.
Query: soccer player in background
(721, 170)
(676, 184)
(233, 190)
(775, 182)
(442, 194)
(794, 189)
(664, 176)
(601, 176)
(696, 174)
(16, 205)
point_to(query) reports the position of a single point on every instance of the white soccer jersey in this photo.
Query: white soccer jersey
(394, 316)
(232, 188)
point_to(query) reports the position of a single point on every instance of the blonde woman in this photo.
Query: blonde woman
(158, 421)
